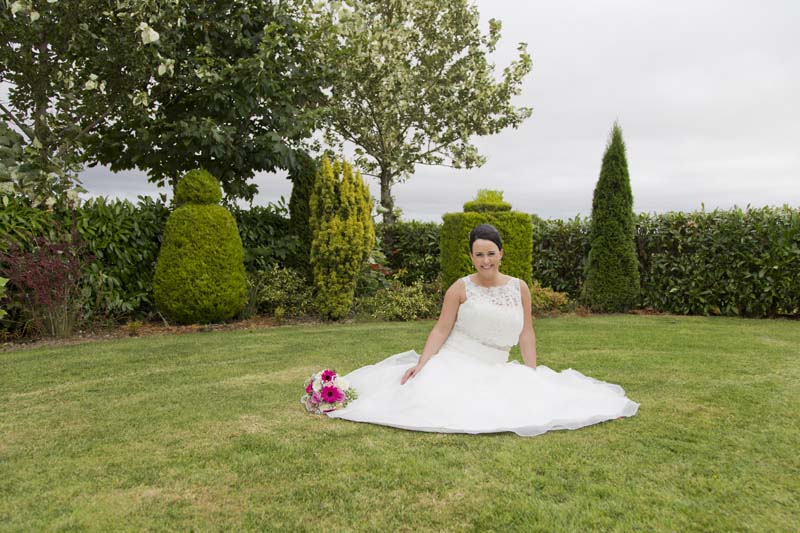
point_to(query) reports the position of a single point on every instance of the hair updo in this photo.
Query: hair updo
(486, 232)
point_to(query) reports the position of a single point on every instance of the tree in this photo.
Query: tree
(237, 95)
(612, 270)
(343, 235)
(412, 85)
(63, 63)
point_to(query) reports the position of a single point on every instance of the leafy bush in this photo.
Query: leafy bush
(414, 254)
(266, 236)
(200, 275)
(47, 282)
(343, 235)
(612, 271)
(546, 301)
(402, 302)
(3, 282)
(124, 240)
(281, 291)
(560, 248)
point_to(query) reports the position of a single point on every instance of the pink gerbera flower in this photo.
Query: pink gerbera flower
(310, 387)
(331, 394)
(328, 376)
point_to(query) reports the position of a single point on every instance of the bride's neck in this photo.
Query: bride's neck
(489, 280)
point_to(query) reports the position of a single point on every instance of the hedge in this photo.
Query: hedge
(515, 229)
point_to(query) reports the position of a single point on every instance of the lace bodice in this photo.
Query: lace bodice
(489, 322)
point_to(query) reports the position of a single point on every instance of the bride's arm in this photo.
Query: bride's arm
(452, 300)
(527, 339)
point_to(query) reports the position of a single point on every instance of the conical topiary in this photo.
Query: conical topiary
(200, 276)
(612, 270)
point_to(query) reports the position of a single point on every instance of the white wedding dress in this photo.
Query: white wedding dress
(471, 387)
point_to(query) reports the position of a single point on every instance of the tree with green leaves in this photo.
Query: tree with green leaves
(70, 67)
(164, 87)
(237, 95)
(342, 235)
(412, 84)
(612, 270)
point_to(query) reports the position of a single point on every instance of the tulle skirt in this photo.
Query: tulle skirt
(458, 393)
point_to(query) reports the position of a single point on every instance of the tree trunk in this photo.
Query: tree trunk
(387, 201)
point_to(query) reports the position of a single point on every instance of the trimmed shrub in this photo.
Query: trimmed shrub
(198, 187)
(733, 262)
(414, 254)
(515, 229)
(612, 270)
(343, 235)
(200, 275)
(487, 200)
(402, 302)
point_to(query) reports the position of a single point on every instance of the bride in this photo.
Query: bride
(463, 382)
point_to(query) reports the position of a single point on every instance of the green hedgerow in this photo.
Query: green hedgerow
(612, 269)
(200, 275)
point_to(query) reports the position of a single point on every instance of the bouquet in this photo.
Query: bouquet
(326, 392)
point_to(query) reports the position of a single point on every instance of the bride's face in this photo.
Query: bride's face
(486, 256)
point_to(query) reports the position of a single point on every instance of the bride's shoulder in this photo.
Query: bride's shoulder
(458, 289)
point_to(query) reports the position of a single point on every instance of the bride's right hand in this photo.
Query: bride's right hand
(410, 373)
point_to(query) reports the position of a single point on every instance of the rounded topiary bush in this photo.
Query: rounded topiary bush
(200, 275)
(198, 187)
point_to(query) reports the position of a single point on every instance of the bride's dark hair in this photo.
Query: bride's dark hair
(486, 232)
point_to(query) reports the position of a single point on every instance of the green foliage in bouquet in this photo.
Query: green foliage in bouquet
(200, 275)
(343, 235)
(612, 270)
(515, 229)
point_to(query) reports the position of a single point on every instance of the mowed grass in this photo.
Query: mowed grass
(205, 432)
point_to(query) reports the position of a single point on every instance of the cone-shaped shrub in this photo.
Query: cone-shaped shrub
(200, 276)
(342, 235)
(612, 270)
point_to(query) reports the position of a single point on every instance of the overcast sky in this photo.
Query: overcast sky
(707, 93)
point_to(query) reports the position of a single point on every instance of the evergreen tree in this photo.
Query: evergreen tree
(342, 235)
(612, 271)
(302, 178)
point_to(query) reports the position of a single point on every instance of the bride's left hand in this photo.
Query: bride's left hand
(410, 373)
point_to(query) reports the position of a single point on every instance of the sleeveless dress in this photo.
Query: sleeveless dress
(469, 386)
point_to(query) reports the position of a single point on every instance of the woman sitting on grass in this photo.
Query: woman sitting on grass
(463, 381)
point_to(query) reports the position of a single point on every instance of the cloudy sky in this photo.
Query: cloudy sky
(707, 94)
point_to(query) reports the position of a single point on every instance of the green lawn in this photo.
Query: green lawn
(205, 432)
